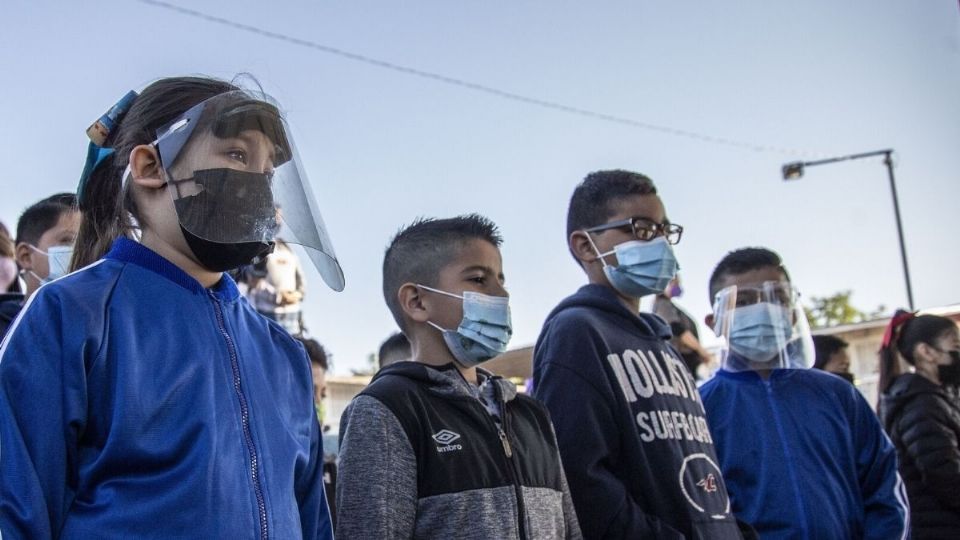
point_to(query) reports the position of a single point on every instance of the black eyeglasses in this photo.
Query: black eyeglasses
(644, 229)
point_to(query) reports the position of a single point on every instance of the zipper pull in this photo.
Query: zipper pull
(506, 443)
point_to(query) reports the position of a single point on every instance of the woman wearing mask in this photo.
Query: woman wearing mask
(141, 396)
(922, 420)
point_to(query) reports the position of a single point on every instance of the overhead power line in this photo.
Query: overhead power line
(453, 81)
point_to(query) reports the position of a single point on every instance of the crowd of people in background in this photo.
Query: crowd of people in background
(157, 378)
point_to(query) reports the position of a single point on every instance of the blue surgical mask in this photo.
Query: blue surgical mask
(643, 268)
(58, 262)
(759, 332)
(484, 330)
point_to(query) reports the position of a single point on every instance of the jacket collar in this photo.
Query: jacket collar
(605, 299)
(128, 251)
(751, 376)
(447, 380)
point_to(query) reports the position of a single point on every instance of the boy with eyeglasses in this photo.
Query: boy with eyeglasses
(802, 452)
(629, 420)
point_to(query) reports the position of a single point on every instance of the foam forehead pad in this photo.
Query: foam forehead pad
(257, 116)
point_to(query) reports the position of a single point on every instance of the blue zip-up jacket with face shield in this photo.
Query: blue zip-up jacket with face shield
(135, 403)
(804, 456)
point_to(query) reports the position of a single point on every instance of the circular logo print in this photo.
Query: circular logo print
(702, 485)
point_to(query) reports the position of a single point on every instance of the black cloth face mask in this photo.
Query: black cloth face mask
(950, 373)
(231, 204)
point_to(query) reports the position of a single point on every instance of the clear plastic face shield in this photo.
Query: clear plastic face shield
(237, 181)
(762, 328)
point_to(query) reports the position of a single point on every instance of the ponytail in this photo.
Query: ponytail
(105, 217)
(106, 201)
(890, 367)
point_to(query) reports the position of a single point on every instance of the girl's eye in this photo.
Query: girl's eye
(238, 155)
(478, 279)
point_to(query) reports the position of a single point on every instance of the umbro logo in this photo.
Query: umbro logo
(445, 436)
(445, 439)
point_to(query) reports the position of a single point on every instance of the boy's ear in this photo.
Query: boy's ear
(581, 247)
(22, 254)
(145, 167)
(411, 302)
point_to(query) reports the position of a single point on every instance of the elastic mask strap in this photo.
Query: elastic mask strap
(39, 279)
(38, 250)
(438, 291)
(431, 323)
(23, 274)
(597, 251)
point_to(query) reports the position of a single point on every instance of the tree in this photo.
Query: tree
(371, 367)
(826, 311)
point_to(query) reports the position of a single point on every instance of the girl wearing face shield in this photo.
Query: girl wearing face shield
(923, 420)
(141, 396)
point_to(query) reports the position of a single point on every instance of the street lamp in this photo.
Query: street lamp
(794, 171)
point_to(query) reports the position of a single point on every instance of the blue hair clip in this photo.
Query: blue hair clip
(98, 134)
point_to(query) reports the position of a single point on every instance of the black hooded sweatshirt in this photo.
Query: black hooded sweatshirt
(630, 423)
(924, 424)
(10, 306)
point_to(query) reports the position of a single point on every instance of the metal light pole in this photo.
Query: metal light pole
(794, 171)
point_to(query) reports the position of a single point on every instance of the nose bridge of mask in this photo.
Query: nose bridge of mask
(764, 315)
(636, 252)
(486, 319)
(486, 309)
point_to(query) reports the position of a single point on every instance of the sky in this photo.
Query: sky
(801, 80)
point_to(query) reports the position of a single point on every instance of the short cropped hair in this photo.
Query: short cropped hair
(825, 347)
(316, 352)
(43, 216)
(591, 202)
(419, 251)
(395, 348)
(741, 261)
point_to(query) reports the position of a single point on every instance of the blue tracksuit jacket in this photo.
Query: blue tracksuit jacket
(804, 456)
(134, 403)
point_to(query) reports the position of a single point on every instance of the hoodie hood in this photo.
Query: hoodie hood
(604, 299)
(447, 380)
(905, 388)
